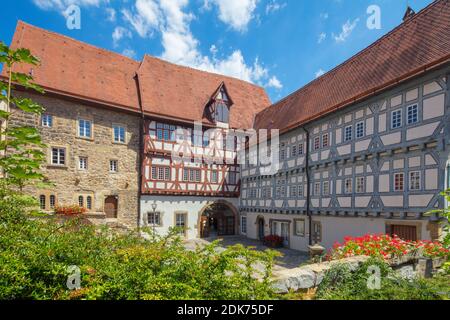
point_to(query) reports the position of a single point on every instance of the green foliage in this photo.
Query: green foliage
(445, 213)
(21, 146)
(340, 283)
(35, 255)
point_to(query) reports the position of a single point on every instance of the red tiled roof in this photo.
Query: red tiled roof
(417, 45)
(80, 70)
(74, 68)
(182, 92)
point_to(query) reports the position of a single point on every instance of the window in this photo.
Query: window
(299, 228)
(186, 174)
(214, 176)
(317, 231)
(300, 190)
(47, 121)
(119, 134)
(294, 151)
(82, 163)
(154, 173)
(326, 188)
(154, 219)
(360, 129)
(413, 114)
(399, 182)
(316, 143)
(348, 185)
(165, 132)
(89, 202)
(300, 149)
(84, 128)
(58, 156)
(180, 223)
(293, 191)
(244, 225)
(317, 188)
(414, 180)
(198, 175)
(396, 119)
(113, 166)
(231, 177)
(192, 175)
(81, 201)
(282, 152)
(42, 202)
(348, 133)
(325, 141)
(163, 173)
(360, 188)
(222, 112)
(52, 201)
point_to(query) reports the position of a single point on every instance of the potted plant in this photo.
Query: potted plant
(273, 241)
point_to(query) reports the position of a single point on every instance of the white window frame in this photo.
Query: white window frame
(243, 224)
(83, 131)
(154, 219)
(348, 187)
(360, 130)
(327, 144)
(418, 177)
(394, 123)
(316, 143)
(58, 156)
(317, 188)
(360, 184)
(326, 188)
(408, 110)
(47, 120)
(113, 166)
(121, 134)
(82, 163)
(348, 133)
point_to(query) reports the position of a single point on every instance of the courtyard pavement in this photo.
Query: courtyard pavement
(290, 259)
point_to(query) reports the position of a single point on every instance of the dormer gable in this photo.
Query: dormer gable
(219, 106)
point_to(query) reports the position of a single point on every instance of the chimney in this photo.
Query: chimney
(408, 14)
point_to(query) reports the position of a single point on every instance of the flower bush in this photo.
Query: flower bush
(273, 241)
(70, 210)
(386, 247)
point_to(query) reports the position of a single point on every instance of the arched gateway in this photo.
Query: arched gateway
(218, 219)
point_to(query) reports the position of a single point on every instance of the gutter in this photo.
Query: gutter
(141, 151)
(308, 188)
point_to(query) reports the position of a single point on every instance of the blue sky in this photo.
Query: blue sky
(279, 44)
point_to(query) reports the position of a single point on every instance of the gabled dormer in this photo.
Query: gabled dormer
(218, 109)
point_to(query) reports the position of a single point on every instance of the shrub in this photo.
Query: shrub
(273, 241)
(340, 283)
(386, 247)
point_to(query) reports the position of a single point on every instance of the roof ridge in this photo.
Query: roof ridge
(60, 35)
(203, 71)
(401, 25)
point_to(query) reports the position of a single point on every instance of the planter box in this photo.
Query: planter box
(273, 245)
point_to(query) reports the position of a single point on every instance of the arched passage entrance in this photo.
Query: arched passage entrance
(218, 219)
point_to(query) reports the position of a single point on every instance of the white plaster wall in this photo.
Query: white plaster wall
(169, 205)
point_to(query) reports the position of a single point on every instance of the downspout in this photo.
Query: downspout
(308, 189)
(141, 151)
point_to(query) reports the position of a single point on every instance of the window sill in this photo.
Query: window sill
(85, 138)
(119, 143)
(57, 166)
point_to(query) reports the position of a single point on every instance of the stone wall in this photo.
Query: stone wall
(97, 181)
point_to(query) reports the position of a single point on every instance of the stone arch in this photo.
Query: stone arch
(204, 210)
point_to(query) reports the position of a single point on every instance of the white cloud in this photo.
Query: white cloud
(274, 6)
(274, 83)
(235, 13)
(119, 33)
(322, 37)
(111, 14)
(146, 18)
(130, 53)
(347, 29)
(324, 15)
(181, 47)
(61, 5)
(320, 73)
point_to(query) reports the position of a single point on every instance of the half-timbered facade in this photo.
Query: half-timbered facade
(363, 148)
(375, 164)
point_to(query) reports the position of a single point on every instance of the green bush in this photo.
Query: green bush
(340, 283)
(35, 255)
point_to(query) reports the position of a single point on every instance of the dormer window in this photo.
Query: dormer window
(219, 108)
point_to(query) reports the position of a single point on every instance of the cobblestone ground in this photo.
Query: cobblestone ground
(290, 258)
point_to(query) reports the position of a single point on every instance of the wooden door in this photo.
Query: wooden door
(404, 232)
(230, 227)
(111, 206)
(261, 229)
